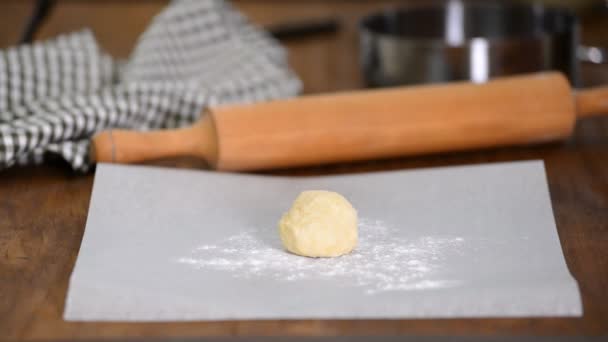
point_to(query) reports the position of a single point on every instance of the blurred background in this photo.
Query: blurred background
(326, 61)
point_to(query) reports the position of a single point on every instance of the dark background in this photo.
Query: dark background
(324, 63)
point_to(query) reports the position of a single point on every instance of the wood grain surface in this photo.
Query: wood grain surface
(43, 209)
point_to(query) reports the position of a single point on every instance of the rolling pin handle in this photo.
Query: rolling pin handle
(128, 146)
(592, 102)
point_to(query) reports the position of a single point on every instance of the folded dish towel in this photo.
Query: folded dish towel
(55, 95)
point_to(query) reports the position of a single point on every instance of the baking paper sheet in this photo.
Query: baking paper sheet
(475, 241)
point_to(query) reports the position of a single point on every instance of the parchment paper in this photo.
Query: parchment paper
(475, 241)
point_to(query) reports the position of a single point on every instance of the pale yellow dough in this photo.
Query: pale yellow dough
(319, 224)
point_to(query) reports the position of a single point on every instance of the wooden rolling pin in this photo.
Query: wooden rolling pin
(368, 124)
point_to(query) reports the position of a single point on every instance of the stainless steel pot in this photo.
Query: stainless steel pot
(470, 40)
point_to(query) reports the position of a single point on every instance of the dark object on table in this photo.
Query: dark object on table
(41, 10)
(304, 29)
(468, 40)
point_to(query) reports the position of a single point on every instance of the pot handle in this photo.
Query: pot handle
(592, 54)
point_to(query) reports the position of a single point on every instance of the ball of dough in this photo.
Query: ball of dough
(319, 224)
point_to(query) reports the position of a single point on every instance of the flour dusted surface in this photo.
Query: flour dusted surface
(381, 262)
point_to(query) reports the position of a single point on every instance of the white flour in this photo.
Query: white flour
(381, 261)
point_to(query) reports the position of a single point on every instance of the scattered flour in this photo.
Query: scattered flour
(381, 262)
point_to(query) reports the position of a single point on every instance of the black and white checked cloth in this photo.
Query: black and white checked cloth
(55, 95)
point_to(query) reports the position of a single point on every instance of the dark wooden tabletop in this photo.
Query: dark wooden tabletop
(43, 209)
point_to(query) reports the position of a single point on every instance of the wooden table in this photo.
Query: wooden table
(43, 209)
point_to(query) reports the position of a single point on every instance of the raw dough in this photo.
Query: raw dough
(319, 224)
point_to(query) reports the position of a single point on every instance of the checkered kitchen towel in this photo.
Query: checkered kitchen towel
(55, 95)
